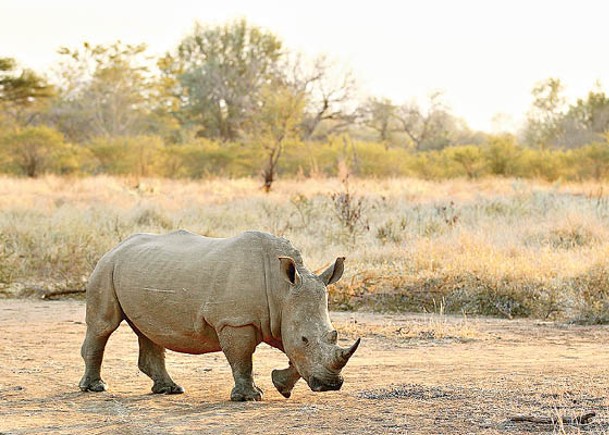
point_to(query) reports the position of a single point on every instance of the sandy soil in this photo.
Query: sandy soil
(394, 383)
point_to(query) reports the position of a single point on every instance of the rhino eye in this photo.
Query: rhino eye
(305, 340)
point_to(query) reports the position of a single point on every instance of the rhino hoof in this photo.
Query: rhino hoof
(167, 389)
(241, 395)
(95, 386)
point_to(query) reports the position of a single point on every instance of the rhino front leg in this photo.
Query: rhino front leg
(284, 380)
(151, 361)
(238, 345)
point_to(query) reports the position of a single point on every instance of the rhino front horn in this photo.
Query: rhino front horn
(343, 355)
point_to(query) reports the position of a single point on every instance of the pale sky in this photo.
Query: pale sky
(484, 55)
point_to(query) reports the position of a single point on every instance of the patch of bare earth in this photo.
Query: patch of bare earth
(412, 374)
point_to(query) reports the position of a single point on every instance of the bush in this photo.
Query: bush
(502, 155)
(469, 157)
(128, 155)
(592, 161)
(204, 158)
(543, 164)
(592, 295)
(37, 150)
(34, 151)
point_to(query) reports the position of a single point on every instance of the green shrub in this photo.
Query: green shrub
(128, 155)
(469, 157)
(34, 151)
(502, 155)
(592, 161)
(38, 150)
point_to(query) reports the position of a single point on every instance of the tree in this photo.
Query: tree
(35, 150)
(277, 122)
(543, 125)
(586, 121)
(166, 110)
(104, 91)
(219, 72)
(23, 93)
(379, 114)
(427, 129)
(329, 92)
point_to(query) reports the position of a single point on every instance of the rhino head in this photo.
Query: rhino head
(309, 339)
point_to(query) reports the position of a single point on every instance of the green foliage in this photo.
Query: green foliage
(543, 126)
(542, 164)
(105, 90)
(37, 150)
(23, 94)
(204, 158)
(586, 121)
(21, 88)
(470, 157)
(373, 160)
(553, 124)
(431, 165)
(34, 151)
(274, 111)
(136, 155)
(502, 155)
(219, 71)
(593, 161)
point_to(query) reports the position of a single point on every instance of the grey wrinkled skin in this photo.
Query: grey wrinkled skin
(195, 294)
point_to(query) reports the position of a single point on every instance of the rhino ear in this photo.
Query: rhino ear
(334, 272)
(289, 271)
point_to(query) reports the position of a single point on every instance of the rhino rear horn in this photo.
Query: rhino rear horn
(334, 272)
(343, 355)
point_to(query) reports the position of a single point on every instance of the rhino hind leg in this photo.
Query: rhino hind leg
(104, 315)
(151, 361)
(92, 352)
(238, 345)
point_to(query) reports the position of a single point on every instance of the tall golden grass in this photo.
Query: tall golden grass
(493, 246)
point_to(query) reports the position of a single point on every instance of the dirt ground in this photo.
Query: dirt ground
(394, 383)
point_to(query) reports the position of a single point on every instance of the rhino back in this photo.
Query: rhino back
(179, 289)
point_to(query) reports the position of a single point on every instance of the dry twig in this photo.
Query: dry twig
(580, 419)
(49, 294)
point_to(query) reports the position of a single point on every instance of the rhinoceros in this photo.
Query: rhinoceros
(195, 294)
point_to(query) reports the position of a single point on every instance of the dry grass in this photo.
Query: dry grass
(436, 327)
(416, 330)
(493, 246)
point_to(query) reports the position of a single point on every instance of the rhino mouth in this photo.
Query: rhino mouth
(316, 384)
